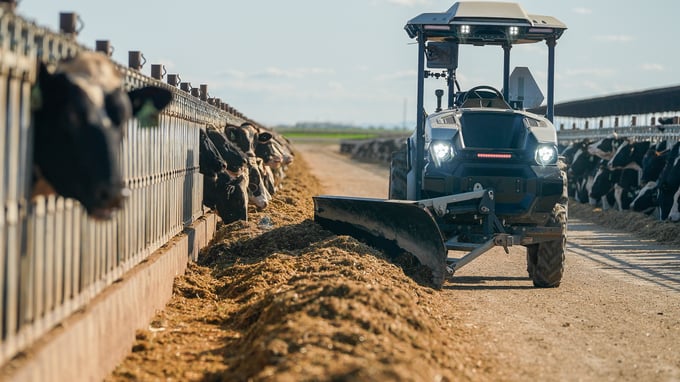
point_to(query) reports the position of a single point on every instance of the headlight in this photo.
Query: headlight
(441, 151)
(546, 154)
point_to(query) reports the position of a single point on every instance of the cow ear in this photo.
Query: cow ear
(264, 137)
(148, 102)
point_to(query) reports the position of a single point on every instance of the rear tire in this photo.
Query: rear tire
(398, 175)
(545, 261)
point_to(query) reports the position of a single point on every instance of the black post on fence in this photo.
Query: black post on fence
(174, 79)
(185, 86)
(204, 92)
(136, 60)
(158, 71)
(69, 23)
(104, 46)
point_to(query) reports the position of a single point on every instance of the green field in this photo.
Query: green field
(338, 134)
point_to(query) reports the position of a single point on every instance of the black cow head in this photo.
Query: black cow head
(605, 147)
(209, 158)
(231, 197)
(243, 136)
(268, 150)
(79, 112)
(629, 154)
(646, 199)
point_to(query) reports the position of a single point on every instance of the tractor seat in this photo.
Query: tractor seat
(488, 99)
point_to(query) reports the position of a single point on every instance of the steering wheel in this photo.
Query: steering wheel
(477, 95)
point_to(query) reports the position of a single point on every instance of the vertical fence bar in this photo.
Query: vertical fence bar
(4, 284)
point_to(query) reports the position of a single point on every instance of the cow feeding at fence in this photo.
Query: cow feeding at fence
(79, 115)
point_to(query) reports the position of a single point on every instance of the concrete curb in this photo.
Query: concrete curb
(92, 342)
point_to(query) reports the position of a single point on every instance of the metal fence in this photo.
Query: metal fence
(656, 133)
(54, 258)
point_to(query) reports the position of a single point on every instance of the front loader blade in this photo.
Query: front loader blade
(386, 224)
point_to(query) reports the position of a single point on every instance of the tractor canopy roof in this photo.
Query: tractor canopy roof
(485, 23)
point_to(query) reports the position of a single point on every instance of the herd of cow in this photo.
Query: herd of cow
(79, 111)
(626, 174)
(241, 165)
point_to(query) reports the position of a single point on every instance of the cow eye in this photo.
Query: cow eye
(118, 107)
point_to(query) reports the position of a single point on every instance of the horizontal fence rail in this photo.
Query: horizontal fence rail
(54, 258)
(655, 133)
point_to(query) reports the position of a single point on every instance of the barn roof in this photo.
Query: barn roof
(641, 102)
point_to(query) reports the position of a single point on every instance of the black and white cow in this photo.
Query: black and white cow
(628, 158)
(268, 150)
(581, 171)
(225, 190)
(605, 147)
(79, 113)
(209, 158)
(245, 138)
(653, 163)
(669, 182)
(603, 189)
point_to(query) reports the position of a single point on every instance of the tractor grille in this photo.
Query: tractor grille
(493, 130)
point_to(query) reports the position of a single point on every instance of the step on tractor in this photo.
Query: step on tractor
(480, 173)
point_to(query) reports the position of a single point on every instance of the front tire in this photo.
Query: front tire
(545, 261)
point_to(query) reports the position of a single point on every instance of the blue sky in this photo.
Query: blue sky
(350, 61)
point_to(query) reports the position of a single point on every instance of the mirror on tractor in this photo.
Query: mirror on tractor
(442, 55)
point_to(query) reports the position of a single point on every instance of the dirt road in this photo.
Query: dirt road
(615, 317)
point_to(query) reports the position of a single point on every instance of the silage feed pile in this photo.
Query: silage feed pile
(278, 298)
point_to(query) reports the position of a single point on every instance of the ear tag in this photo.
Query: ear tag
(148, 115)
(36, 98)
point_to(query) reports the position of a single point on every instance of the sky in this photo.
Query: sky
(351, 62)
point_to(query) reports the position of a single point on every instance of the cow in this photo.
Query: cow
(605, 147)
(286, 149)
(603, 185)
(581, 171)
(668, 120)
(79, 113)
(669, 182)
(227, 189)
(629, 155)
(628, 158)
(268, 150)
(653, 163)
(258, 193)
(229, 196)
(246, 137)
(209, 158)
(646, 199)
